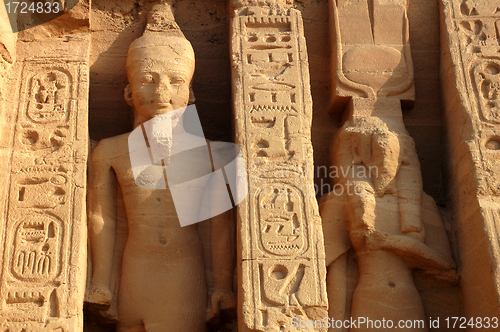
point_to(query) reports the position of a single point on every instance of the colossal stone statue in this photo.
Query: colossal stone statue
(163, 284)
(387, 211)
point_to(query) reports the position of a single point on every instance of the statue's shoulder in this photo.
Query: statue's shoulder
(111, 148)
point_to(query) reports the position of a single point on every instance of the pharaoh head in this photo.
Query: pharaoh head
(160, 66)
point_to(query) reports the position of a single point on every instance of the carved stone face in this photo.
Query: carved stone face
(159, 78)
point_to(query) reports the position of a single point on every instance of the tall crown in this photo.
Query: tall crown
(162, 30)
(161, 20)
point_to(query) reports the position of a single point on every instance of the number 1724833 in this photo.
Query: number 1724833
(39, 7)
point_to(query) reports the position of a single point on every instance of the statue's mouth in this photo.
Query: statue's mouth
(162, 104)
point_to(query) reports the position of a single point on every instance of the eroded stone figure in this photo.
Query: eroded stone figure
(392, 225)
(388, 214)
(163, 284)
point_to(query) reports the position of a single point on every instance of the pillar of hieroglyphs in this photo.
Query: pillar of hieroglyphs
(470, 76)
(44, 148)
(281, 252)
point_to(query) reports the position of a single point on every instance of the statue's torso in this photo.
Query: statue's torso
(152, 219)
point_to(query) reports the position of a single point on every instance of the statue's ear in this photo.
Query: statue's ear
(192, 99)
(128, 96)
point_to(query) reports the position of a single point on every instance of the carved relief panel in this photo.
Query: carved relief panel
(478, 23)
(282, 220)
(48, 97)
(43, 233)
(280, 232)
(477, 35)
(470, 66)
(37, 249)
(486, 81)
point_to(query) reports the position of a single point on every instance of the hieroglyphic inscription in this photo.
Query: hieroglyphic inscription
(476, 30)
(486, 76)
(470, 76)
(271, 61)
(48, 97)
(43, 192)
(280, 232)
(43, 240)
(37, 247)
(479, 23)
(282, 221)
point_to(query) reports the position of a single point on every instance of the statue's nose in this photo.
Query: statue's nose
(163, 88)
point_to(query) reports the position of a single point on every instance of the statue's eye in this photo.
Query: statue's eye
(176, 80)
(146, 79)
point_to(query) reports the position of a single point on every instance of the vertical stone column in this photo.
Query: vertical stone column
(470, 76)
(43, 226)
(281, 251)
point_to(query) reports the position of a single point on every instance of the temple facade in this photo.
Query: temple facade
(249, 165)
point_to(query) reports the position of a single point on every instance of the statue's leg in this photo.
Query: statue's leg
(175, 295)
(336, 285)
(386, 288)
(130, 319)
(333, 215)
(386, 291)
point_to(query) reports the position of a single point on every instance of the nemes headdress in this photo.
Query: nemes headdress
(162, 31)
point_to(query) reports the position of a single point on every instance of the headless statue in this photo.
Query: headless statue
(162, 284)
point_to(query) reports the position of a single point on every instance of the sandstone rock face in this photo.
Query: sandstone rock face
(470, 70)
(44, 145)
(406, 227)
(282, 272)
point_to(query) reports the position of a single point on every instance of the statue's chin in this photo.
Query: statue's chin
(158, 111)
(165, 108)
(162, 108)
(154, 110)
(162, 111)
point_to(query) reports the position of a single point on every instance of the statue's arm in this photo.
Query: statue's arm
(410, 191)
(223, 256)
(102, 223)
(222, 227)
(222, 232)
